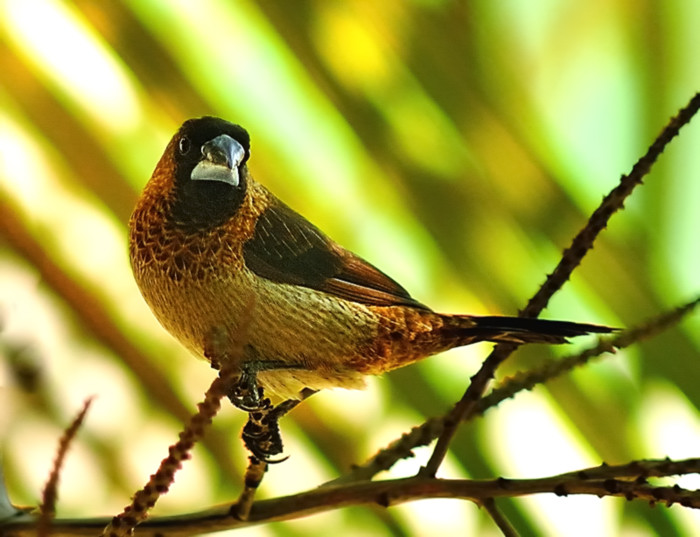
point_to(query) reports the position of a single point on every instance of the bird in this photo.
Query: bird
(221, 261)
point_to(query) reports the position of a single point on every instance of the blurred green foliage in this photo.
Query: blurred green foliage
(457, 145)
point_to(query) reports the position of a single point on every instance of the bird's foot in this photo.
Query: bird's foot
(246, 394)
(261, 435)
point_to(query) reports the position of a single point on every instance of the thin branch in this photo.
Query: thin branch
(571, 258)
(253, 477)
(47, 509)
(466, 405)
(428, 431)
(499, 519)
(159, 483)
(606, 346)
(641, 469)
(612, 203)
(627, 481)
(224, 348)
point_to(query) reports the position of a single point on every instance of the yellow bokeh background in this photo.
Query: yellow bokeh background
(459, 146)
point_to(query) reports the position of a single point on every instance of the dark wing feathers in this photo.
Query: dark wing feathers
(287, 248)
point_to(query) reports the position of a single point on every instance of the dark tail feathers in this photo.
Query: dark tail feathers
(525, 330)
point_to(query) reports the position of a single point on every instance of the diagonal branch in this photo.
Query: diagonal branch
(499, 518)
(571, 258)
(612, 203)
(48, 503)
(428, 431)
(159, 482)
(606, 346)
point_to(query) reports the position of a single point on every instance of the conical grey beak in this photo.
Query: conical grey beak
(220, 160)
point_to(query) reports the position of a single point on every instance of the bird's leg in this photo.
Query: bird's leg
(246, 394)
(261, 435)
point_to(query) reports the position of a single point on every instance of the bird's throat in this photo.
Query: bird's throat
(205, 205)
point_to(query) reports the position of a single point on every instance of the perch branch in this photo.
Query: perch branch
(627, 481)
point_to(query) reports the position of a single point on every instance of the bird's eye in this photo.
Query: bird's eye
(184, 145)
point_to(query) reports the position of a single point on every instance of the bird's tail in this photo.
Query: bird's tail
(519, 329)
(424, 333)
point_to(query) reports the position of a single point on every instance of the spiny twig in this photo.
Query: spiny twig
(428, 431)
(556, 367)
(226, 351)
(571, 258)
(47, 509)
(159, 482)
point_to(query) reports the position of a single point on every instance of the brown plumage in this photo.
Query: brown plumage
(207, 242)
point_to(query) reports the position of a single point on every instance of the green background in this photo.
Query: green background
(459, 146)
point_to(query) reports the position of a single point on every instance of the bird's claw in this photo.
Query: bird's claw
(261, 435)
(246, 394)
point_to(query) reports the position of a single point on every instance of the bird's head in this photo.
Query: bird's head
(206, 164)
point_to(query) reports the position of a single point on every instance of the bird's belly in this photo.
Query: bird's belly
(323, 335)
(314, 337)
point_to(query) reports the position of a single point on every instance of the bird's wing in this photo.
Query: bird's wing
(287, 248)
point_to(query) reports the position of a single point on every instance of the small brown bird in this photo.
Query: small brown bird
(207, 241)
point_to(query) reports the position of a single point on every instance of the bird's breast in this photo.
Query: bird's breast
(199, 290)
